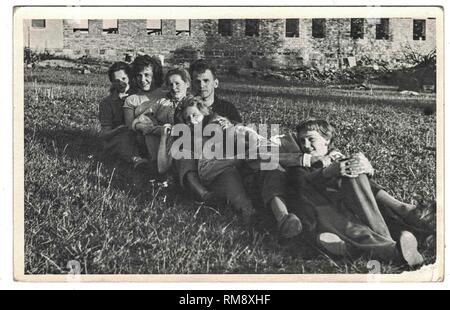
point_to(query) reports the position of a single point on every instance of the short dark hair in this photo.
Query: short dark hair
(200, 66)
(178, 71)
(322, 126)
(143, 61)
(117, 66)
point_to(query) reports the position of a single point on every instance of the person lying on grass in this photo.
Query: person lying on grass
(341, 204)
(117, 139)
(218, 167)
(147, 79)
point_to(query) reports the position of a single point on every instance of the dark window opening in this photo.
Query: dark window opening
(38, 23)
(382, 29)
(154, 27)
(81, 25)
(110, 26)
(183, 27)
(224, 27)
(318, 28)
(292, 28)
(357, 28)
(252, 27)
(419, 29)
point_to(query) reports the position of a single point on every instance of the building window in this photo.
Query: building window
(252, 27)
(382, 29)
(292, 28)
(80, 25)
(38, 23)
(183, 27)
(224, 27)
(154, 27)
(318, 28)
(419, 29)
(110, 26)
(357, 28)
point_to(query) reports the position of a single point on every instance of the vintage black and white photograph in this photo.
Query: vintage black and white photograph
(277, 141)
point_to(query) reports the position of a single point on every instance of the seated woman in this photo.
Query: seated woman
(117, 139)
(341, 203)
(147, 78)
(163, 111)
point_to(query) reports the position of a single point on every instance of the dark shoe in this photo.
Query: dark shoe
(419, 220)
(206, 197)
(408, 249)
(248, 216)
(138, 162)
(290, 226)
(423, 220)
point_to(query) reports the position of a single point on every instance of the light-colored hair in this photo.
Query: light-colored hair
(193, 101)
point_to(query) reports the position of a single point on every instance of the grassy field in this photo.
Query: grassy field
(80, 205)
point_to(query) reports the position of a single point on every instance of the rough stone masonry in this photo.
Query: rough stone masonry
(263, 43)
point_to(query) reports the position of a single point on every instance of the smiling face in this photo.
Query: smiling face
(120, 81)
(313, 143)
(178, 87)
(192, 116)
(144, 78)
(204, 83)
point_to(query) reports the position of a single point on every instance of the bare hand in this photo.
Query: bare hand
(224, 123)
(334, 155)
(325, 160)
(146, 129)
(167, 128)
(338, 169)
(359, 164)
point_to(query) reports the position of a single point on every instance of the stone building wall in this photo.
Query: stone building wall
(271, 48)
(48, 37)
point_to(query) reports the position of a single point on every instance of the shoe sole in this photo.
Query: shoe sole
(336, 247)
(408, 246)
(292, 227)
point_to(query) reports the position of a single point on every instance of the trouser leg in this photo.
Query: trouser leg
(152, 144)
(229, 185)
(123, 145)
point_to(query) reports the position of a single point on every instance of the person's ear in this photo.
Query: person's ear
(216, 83)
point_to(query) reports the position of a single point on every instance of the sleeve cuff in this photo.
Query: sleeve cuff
(306, 160)
(133, 125)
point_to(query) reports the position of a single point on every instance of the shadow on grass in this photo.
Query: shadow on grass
(86, 146)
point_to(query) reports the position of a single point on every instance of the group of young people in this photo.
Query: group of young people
(313, 189)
